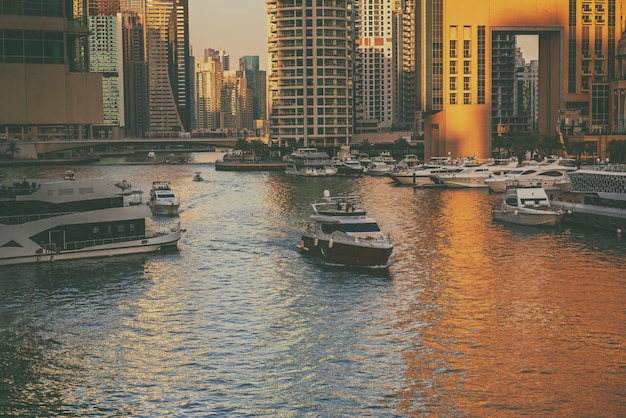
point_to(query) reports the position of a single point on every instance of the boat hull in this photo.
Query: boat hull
(136, 246)
(343, 253)
(521, 217)
(164, 208)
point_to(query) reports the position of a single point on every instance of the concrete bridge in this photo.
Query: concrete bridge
(42, 149)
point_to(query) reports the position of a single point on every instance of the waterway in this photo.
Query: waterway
(473, 318)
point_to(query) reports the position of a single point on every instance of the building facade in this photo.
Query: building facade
(577, 48)
(47, 90)
(310, 45)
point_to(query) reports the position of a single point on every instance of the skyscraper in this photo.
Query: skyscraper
(310, 74)
(47, 90)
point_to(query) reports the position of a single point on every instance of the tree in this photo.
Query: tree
(12, 149)
(577, 148)
(617, 150)
(366, 146)
(402, 145)
(242, 144)
(550, 143)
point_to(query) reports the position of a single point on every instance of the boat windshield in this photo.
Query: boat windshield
(351, 228)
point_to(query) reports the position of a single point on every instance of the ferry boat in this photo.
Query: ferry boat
(52, 220)
(596, 197)
(163, 201)
(340, 232)
(310, 162)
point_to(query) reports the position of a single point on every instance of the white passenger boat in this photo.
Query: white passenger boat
(51, 220)
(527, 206)
(349, 166)
(163, 201)
(310, 162)
(340, 232)
(423, 175)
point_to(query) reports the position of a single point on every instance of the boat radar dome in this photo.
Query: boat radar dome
(326, 193)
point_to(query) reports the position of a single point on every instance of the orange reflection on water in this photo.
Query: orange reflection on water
(507, 331)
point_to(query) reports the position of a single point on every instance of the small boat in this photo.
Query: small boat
(527, 206)
(378, 168)
(350, 167)
(197, 176)
(340, 232)
(163, 201)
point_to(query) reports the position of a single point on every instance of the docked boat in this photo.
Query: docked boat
(409, 161)
(378, 168)
(527, 206)
(423, 175)
(310, 162)
(163, 201)
(350, 167)
(339, 231)
(546, 174)
(53, 220)
(474, 176)
(596, 197)
(197, 176)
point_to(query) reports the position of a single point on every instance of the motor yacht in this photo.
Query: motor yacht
(163, 201)
(527, 206)
(309, 162)
(546, 174)
(339, 231)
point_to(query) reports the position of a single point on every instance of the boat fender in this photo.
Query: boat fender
(330, 243)
(301, 243)
(516, 212)
(315, 242)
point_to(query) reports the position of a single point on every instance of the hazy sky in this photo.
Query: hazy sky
(235, 26)
(238, 27)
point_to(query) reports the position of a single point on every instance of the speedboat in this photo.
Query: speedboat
(339, 231)
(197, 176)
(527, 206)
(163, 201)
(48, 220)
(309, 162)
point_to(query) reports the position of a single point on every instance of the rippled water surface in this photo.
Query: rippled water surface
(473, 317)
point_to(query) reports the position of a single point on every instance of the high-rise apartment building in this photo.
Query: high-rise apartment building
(375, 62)
(454, 38)
(249, 65)
(46, 89)
(310, 76)
(135, 78)
(167, 44)
(105, 52)
(209, 80)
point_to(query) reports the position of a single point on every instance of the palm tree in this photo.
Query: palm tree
(549, 143)
(577, 148)
(401, 144)
(366, 146)
(617, 150)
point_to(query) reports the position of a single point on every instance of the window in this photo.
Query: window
(453, 53)
(467, 67)
(453, 69)
(467, 98)
(466, 83)
(467, 49)
(453, 98)
(452, 83)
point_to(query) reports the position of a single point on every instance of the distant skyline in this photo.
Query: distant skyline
(234, 26)
(238, 27)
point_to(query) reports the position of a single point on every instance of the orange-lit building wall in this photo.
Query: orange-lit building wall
(463, 127)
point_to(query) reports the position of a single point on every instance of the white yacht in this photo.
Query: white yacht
(163, 201)
(475, 175)
(423, 175)
(527, 206)
(546, 174)
(47, 220)
(310, 162)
